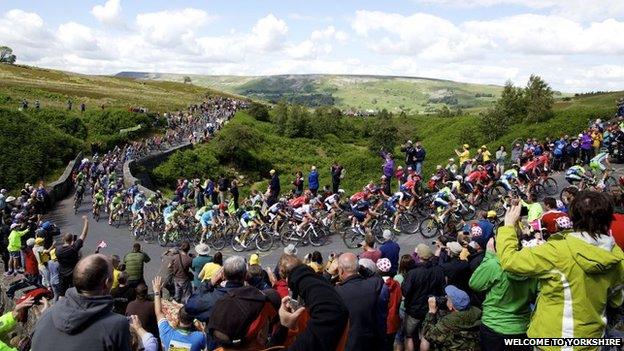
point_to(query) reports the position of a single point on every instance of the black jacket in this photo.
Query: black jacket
(426, 279)
(328, 313)
(410, 154)
(457, 273)
(81, 323)
(362, 297)
(200, 304)
(274, 185)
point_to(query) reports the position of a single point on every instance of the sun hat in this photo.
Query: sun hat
(290, 249)
(454, 247)
(202, 249)
(384, 265)
(423, 251)
(10, 199)
(272, 171)
(458, 297)
(254, 259)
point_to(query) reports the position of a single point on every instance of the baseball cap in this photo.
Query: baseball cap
(455, 247)
(491, 214)
(458, 297)
(423, 251)
(239, 315)
(39, 241)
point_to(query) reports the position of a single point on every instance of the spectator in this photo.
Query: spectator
(116, 270)
(180, 267)
(31, 269)
(297, 184)
(274, 188)
(457, 330)
(476, 247)
(337, 173)
(148, 340)
(134, 262)
(501, 159)
(122, 294)
(419, 158)
(388, 165)
(393, 320)
(199, 262)
(14, 246)
(183, 337)
(362, 298)
(68, 256)
(84, 320)
(328, 315)
(549, 217)
(410, 154)
(313, 181)
(390, 250)
(368, 248)
(456, 271)
(316, 262)
(506, 309)
(211, 268)
(234, 193)
(143, 309)
(8, 321)
(424, 280)
(200, 304)
(577, 271)
(256, 277)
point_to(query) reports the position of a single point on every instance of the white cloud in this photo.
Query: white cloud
(171, 28)
(109, 13)
(269, 33)
(75, 36)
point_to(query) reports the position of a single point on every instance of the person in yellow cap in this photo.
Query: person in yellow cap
(53, 269)
(486, 154)
(254, 259)
(463, 155)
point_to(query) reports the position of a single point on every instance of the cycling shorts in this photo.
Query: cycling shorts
(390, 207)
(440, 202)
(359, 215)
(205, 223)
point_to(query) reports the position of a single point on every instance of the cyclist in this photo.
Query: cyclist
(249, 221)
(509, 177)
(596, 163)
(170, 212)
(394, 206)
(116, 204)
(444, 198)
(276, 212)
(575, 174)
(332, 205)
(137, 204)
(209, 219)
(98, 200)
(303, 215)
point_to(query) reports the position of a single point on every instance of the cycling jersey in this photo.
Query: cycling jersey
(168, 213)
(206, 218)
(116, 201)
(99, 199)
(138, 203)
(476, 176)
(596, 162)
(575, 170)
(510, 174)
(529, 166)
(358, 197)
(298, 201)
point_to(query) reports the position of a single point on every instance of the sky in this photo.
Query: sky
(575, 45)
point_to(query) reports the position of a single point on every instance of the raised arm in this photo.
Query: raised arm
(157, 286)
(85, 228)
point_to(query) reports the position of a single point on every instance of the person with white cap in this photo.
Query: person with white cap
(203, 257)
(14, 246)
(390, 250)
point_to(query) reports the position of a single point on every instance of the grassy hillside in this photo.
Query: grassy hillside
(440, 136)
(37, 144)
(412, 95)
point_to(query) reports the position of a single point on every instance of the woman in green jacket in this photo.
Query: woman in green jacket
(506, 310)
(579, 271)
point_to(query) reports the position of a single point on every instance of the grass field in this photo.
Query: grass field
(412, 95)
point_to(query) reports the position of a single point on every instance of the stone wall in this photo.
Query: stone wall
(60, 188)
(131, 176)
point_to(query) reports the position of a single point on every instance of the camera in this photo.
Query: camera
(441, 302)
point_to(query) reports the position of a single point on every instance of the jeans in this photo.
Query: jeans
(182, 291)
(493, 341)
(418, 168)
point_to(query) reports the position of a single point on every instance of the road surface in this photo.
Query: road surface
(119, 241)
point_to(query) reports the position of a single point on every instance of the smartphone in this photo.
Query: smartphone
(294, 304)
(75, 237)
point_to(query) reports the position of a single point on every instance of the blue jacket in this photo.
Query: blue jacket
(313, 180)
(390, 250)
(200, 304)
(487, 227)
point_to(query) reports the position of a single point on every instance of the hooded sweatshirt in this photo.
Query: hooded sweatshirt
(578, 276)
(506, 306)
(81, 323)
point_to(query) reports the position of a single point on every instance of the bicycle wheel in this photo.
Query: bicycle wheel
(352, 238)
(408, 223)
(469, 212)
(429, 228)
(264, 241)
(550, 186)
(237, 245)
(316, 237)
(540, 191)
(217, 241)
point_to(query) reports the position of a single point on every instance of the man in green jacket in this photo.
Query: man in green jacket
(456, 330)
(579, 271)
(8, 321)
(134, 262)
(506, 311)
(14, 246)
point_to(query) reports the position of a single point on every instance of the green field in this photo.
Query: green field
(395, 94)
(36, 145)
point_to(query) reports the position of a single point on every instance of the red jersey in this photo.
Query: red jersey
(530, 166)
(357, 197)
(548, 220)
(297, 202)
(477, 176)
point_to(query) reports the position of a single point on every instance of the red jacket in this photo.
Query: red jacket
(281, 287)
(394, 321)
(30, 262)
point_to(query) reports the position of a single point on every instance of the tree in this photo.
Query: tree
(383, 135)
(259, 112)
(6, 55)
(187, 79)
(298, 122)
(511, 103)
(494, 121)
(281, 117)
(539, 100)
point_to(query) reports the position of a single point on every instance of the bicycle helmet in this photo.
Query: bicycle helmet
(341, 191)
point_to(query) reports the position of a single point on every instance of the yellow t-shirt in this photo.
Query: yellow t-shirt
(209, 270)
(486, 155)
(464, 156)
(115, 278)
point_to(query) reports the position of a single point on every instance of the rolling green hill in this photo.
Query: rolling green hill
(412, 95)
